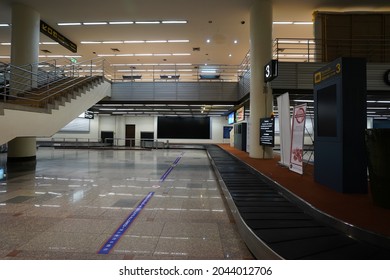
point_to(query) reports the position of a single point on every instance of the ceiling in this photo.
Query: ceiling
(225, 23)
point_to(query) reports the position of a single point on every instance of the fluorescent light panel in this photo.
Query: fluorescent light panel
(148, 22)
(95, 23)
(174, 21)
(121, 22)
(136, 41)
(69, 23)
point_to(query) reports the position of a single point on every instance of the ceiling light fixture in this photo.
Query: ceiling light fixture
(178, 41)
(69, 23)
(112, 42)
(134, 42)
(90, 42)
(208, 41)
(148, 22)
(174, 21)
(121, 22)
(303, 22)
(95, 23)
(156, 41)
(282, 22)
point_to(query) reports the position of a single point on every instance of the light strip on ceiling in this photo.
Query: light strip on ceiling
(95, 23)
(136, 41)
(69, 23)
(156, 41)
(174, 21)
(293, 22)
(146, 54)
(121, 22)
(148, 22)
(4, 25)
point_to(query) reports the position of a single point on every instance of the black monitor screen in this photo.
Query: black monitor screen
(327, 112)
(183, 127)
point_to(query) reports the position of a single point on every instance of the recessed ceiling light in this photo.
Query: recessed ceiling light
(69, 23)
(134, 42)
(121, 22)
(95, 23)
(303, 22)
(282, 22)
(178, 41)
(230, 55)
(90, 42)
(156, 41)
(235, 41)
(208, 41)
(175, 21)
(112, 42)
(148, 22)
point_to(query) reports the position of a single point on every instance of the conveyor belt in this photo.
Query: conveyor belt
(277, 225)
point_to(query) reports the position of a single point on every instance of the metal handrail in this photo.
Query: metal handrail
(22, 82)
(106, 142)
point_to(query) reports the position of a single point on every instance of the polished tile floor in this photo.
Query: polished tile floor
(76, 200)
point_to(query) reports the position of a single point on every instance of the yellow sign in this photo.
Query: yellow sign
(326, 73)
(58, 37)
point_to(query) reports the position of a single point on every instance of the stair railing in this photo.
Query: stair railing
(42, 79)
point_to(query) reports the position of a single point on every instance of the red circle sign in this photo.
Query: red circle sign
(300, 115)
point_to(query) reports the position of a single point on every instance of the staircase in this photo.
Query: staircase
(41, 112)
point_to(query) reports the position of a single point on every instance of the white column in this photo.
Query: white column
(25, 35)
(260, 54)
(24, 51)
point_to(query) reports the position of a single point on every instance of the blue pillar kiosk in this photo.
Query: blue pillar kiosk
(340, 120)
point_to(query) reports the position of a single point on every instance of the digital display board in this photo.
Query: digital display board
(231, 118)
(267, 132)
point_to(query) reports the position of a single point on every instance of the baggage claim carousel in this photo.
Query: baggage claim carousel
(276, 224)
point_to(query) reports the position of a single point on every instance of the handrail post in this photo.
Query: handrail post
(103, 69)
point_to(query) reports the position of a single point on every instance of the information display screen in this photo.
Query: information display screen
(267, 132)
(183, 127)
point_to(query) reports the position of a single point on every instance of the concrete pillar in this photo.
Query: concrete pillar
(24, 47)
(260, 93)
(24, 51)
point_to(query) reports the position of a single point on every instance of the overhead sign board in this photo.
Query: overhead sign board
(331, 70)
(270, 70)
(267, 132)
(58, 37)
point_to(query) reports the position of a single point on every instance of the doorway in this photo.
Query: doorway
(107, 137)
(130, 135)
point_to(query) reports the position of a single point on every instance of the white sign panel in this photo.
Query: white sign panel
(285, 128)
(297, 138)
